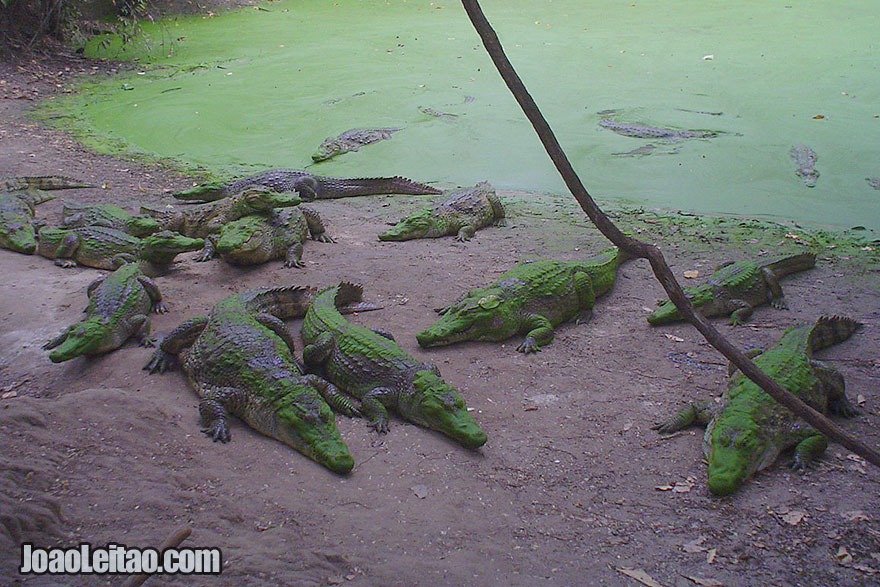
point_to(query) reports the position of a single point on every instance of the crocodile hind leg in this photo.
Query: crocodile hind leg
(165, 357)
(466, 233)
(833, 386)
(64, 254)
(777, 300)
(540, 332)
(337, 400)
(497, 209)
(695, 413)
(583, 286)
(740, 311)
(277, 326)
(316, 225)
(208, 252)
(213, 413)
(154, 293)
(294, 256)
(140, 324)
(316, 353)
(808, 450)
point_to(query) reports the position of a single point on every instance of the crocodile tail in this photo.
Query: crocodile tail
(39, 196)
(830, 330)
(349, 299)
(623, 256)
(368, 186)
(792, 264)
(43, 182)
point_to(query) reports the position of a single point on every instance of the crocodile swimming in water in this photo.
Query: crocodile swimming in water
(240, 360)
(106, 248)
(529, 299)
(641, 131)
(280, 234)
(351, 140)
(18, 227)
(370, 366)
(736, 288)
(748, 430)
(74, 215)
(119, 308)
(805, 159)
(308, 185)
(461, 214)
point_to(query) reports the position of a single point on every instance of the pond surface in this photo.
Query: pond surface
(263, 87)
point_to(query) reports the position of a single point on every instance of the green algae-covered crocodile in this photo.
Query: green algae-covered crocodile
(106, 248)
(736, 288)
(370, 366)
(805, 160)
(18, 228)
(748, 430)
(203, 220)
(240, 361)
(74, 215)
(119, 308)
(529, 299)
(350, 140)
(641, 131)
(40, 182)
(310, 186)
(461, 214)
(280, 234)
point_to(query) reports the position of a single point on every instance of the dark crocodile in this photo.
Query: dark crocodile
(641, 131)
(805, 160)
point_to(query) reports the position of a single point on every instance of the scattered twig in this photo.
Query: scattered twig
(173, 541)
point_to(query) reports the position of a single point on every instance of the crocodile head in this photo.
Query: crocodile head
(327, 149)
(17, 234)
(142, 225)
(161, 247)
(305, 422)
(482, 317)
(420, 224)
(260, 198)
(435, 404)
(736, 450)
(208, 192)
(701, 297)
(241, 239)
(84, 338)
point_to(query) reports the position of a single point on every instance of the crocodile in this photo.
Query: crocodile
(119, 308)
(529, 299)
(40, 182)
(736, 288)
(308, 185)
(748, 429)
(203, 220)
(240, 361)
(257, 238)
(371, 367)
(351, 140)
(805, 159)
(74, 215)
(106, 248)
(641, 131)
(874, 182)
(461, 214)
(17, 224)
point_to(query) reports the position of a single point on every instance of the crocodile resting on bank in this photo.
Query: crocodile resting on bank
(308, 185)
(119, 308)
(240, 360)
(369, 365)
(461, 214)
(18, 227)
(736, 288)
(748, 430)
(75, 215)
(40, 182)
(280, 234)
(529, 299)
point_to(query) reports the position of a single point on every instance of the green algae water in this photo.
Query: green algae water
(261, 88)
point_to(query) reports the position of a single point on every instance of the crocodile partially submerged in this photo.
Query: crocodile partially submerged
(204, 220)
(874, 182)
(529, 299)
(736, 288)
(119, 308)
(461, 214)
(805, 160)
(308, 185)
(642, 131)
(74, 215)
(748, 430)
(40, 182)
(370, 366)
(17, 223)
(106, 248)
(280, 234)
(351, 140)
(240, 360)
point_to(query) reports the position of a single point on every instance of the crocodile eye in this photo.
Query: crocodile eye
(489, 302)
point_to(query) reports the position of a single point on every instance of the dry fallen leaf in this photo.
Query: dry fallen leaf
(856, 516)
(710, 555)
(691, 274)
(695, 545)
(421, 491)
(704, 581)
(639, 575)
(860, 399)
(843, 556)
(794, 517)
(673, 338)
(663, 487)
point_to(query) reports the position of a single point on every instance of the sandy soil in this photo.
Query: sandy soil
(572, 487)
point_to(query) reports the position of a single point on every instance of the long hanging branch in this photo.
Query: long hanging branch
(648, 251)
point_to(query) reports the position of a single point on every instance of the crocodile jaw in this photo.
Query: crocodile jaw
(86, 338)
(17, 236)
(435, 404)
(470, 323)
(315, 436)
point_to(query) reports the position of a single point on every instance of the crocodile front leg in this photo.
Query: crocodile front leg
(740, 311)
(316, 225)
(337, 400)
(277, 326)
(466, 233)
(373, 408)
(497, 209)
(833, 385)
(699, 413)
(165, 357)
(315, 354)
(208, 252)
(154, 293)
(294, 256)
(777, 299)
(808, 450)
(540, 332)
(583, 286)
(140, 325)
(64, 254)
(213, 413)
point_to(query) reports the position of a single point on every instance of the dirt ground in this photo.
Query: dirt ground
(572, 488)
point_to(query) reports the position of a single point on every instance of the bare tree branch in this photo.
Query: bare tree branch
(648, 251)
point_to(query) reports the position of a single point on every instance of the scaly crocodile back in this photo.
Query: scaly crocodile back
(40, 182)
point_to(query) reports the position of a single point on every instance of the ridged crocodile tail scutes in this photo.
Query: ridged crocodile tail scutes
(831, 330)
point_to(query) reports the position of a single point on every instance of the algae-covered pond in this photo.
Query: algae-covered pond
(260, 88)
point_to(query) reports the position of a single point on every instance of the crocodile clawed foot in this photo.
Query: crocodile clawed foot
(294, 263)
(218, 431)
(148, 341)
(529, 346)
(161, 362)
(779, 303)
(204, 256)
(65, 263)
(324, 238)
(159, 308)
(380, 425)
